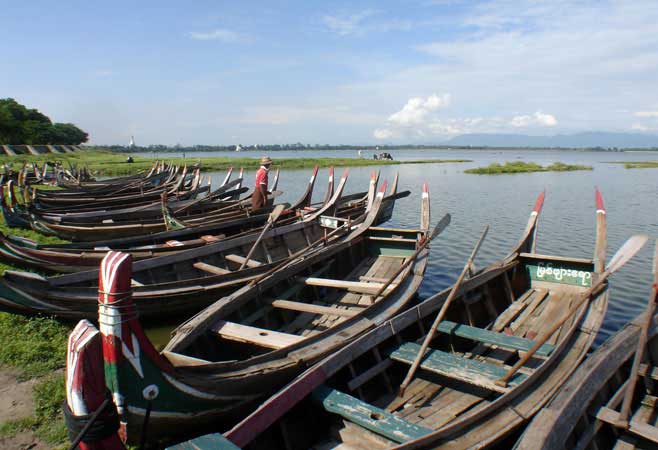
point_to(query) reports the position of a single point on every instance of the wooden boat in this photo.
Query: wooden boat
(178, 283)
(75, 257)
(179, 185)
(351, 400)
(248, 344)
(585, 413)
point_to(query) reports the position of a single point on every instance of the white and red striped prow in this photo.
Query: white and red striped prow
(124, 339)
(85, 380)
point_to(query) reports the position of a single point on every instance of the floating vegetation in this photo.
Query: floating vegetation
(637, 164)
(525, 167)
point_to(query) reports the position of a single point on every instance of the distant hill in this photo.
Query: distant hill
(578, 140)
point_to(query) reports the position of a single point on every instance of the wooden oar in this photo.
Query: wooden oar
(276, 212)
(441, 314)
(622, 420)
(443, 223)
(300, 253)
(623, 255)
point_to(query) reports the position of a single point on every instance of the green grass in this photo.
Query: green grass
(637, 164)
(36, 346)
(106, 163)
(525, 167)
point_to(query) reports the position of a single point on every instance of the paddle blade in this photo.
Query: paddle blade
(626, 252)
(276, 212)
(443, 223)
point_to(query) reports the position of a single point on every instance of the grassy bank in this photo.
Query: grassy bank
(36, 348)
(525, 167)
(637, 164)
(106, 163)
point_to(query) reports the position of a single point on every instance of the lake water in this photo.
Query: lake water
(566, 226)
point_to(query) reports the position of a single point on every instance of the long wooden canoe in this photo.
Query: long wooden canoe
(246, 345)
(350, 400)
(584, 414)
(76, 257)
(172, 284)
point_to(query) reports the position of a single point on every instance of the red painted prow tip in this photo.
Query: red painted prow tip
(331, 170)
(315, 170)
(425, 189)
(540, 202)
(372, 175)
(599, 200)
(382, 189)
(346, 172)
(115, 276)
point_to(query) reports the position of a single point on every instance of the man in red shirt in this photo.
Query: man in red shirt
(259, 198)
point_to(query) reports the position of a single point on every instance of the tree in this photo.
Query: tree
(20, 125)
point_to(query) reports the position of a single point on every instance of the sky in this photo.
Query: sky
(219, 73)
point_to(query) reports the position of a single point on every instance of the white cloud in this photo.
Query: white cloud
(222, 35)
(346, 25)
(383, 133)
(640, 127)
(646, 114)
(537, 119)
(416, 109)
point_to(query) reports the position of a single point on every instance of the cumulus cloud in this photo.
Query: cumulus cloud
(383, 133)
(415, 120)
(416, 109)
(537, 119)
(346, 25)
(222, 35)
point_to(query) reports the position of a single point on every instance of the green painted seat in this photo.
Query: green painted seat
(492, 337)
(452, 366)
(367, 416)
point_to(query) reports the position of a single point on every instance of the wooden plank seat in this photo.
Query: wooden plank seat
(368, 416)
(390, 239)
(241, 259)
(253, 335)
(492, 337)
(209, 268)
(312, 308)
(636, 426)
(456, 367)
(359, 287)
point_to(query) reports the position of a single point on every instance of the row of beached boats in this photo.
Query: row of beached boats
(303, 330)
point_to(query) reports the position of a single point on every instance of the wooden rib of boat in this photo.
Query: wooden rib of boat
(585, 413)
(351, 399)
(175, 283)
(250, 343)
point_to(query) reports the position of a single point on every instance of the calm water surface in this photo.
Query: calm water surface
(566, 226)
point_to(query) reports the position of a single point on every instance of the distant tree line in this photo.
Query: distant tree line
(20, 125)
(264, 148)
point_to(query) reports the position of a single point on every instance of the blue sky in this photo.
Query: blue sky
(213, 72)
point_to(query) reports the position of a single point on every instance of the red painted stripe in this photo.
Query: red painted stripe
(599, 200)
(425, 189)
(540, 202)
(244, 432)
(383, 187)
(346, 172)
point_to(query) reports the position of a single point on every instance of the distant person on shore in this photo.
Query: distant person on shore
(259, 199)
(360, 154)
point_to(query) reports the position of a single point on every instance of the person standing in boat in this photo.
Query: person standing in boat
(259, 198)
